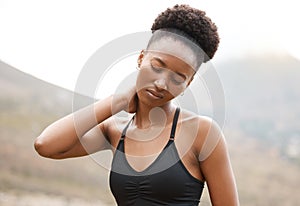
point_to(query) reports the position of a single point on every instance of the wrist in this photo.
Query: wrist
(119, 102)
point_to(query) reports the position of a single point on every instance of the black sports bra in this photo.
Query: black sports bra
(165, 182)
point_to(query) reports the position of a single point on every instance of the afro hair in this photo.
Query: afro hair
(193, 23)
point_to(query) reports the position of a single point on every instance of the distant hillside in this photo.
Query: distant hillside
(27, 106)
(263, 98)
(261, 128)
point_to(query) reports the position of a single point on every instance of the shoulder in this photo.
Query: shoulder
(202, 123)
(205, 131)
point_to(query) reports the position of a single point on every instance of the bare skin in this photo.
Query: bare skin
(161, 78)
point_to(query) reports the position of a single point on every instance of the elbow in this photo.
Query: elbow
(41, 147)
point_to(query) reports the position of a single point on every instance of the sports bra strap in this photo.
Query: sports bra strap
(125, 129)
(174, 124)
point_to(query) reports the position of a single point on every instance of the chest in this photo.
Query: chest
(143, 148)
(165, 180)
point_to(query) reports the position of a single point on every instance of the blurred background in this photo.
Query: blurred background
(44, 45)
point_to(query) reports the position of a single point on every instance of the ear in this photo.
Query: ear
(140, 58)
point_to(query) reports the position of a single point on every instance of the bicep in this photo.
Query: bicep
(93, 141)
(218, 173)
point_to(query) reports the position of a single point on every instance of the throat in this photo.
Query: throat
(148, 126)
(146, 119)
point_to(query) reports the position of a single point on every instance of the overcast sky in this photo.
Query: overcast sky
(53, 39)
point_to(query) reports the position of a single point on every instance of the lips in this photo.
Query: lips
(155, 94)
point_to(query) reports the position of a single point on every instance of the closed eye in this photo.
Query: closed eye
(156, 69)
(158, 66)
(177, 79)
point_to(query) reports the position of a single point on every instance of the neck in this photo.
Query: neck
(147, 117)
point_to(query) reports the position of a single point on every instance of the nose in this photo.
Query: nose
(161, 84)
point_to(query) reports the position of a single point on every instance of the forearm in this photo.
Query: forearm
(63, 134)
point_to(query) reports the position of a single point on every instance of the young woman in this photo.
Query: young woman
(163, 155)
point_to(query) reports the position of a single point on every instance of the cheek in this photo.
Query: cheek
(175, 91)
(144, 79)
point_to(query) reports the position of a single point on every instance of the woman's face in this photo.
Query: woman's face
(162, 77)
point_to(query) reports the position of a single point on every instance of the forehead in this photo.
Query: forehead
(176, 48)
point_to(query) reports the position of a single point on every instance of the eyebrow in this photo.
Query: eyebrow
(160, 61)
(165, 65)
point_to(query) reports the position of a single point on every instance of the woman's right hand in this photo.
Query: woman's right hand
(132, 99)
(128, 99)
